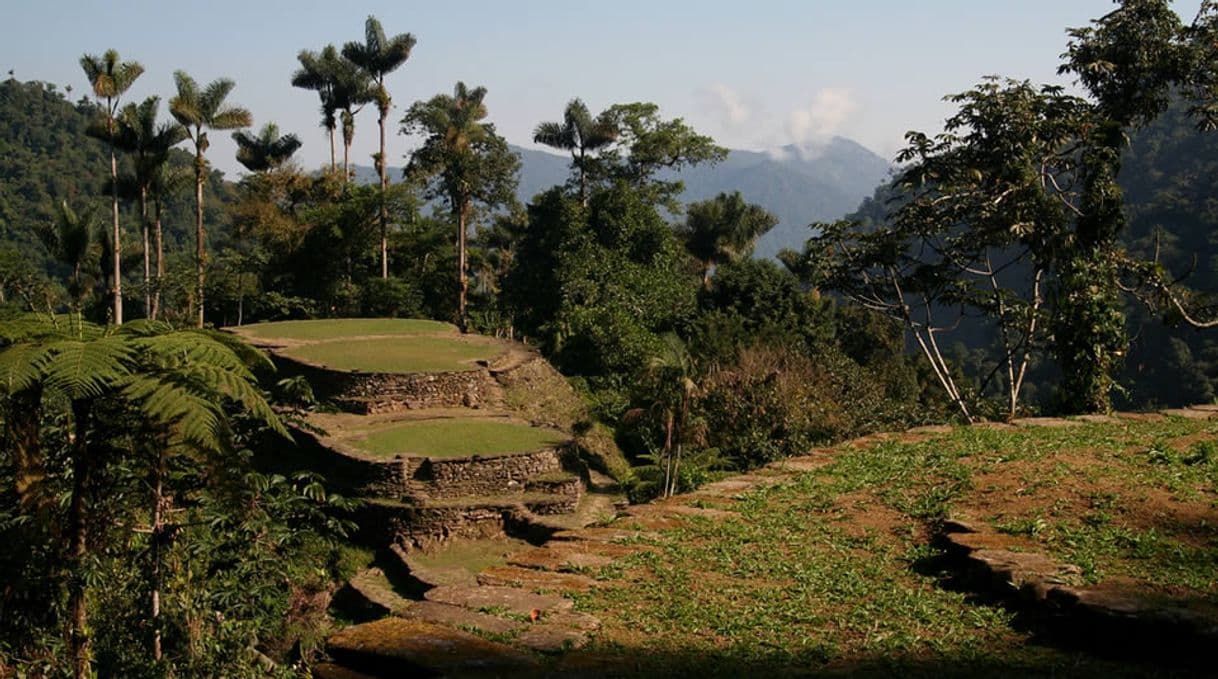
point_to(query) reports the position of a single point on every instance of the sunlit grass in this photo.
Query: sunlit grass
(332, 328)
(406, 354)
(456, 438)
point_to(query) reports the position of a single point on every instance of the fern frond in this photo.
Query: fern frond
(81, 369)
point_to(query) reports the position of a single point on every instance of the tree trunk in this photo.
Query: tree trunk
(82, 472)
(200, 250)
(462, 278)
(333, 160)
(147, 257)
(384, 168)
(21, 437)
(158, 539)
(117, 247)
(160, 262)
(583, 179)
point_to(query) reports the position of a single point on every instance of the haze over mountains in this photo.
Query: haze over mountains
(798, 184)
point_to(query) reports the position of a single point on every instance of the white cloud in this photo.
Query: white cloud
(726, 103)
(830, 108)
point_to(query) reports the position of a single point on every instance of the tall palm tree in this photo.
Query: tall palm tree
(315, 74)
(267, 150)
(352, 89)
(110, 79)
(463, 160)
(166, 180)
(379, 56)
(198, 111)
(723, 229)
(580, 134)
(149, 143)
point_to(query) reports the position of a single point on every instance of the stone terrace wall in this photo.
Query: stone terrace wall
(371, 393)
(449, 478)
(376, 478)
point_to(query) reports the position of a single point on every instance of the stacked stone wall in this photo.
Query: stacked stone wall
(371, 393)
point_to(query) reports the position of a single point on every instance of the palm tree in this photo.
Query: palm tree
(578, 133)
(198, 111)
(723, 229)
(110, 78)
(462, 160)
(352, 88)
(314, 74)
(673, 371)
(379, 56)
(266, 151)
(165, 181)
(149, 143)
(70, 240)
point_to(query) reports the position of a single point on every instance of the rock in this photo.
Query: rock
(489, 597)
(598, 535)
(536, 580)
(1190, 414)
(400, 647)
(558, 560)
(455, 616)
(956, 524)
(932, 429)
(331, 671)
(1051, 422)
(551, 639)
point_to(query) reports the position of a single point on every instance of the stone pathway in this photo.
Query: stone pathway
(520, 609)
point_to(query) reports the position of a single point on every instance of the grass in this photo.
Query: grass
(456, 438)
(828, 572)
(405, 354)
(334, 328)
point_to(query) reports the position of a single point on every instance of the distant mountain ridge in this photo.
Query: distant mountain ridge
(798, 184)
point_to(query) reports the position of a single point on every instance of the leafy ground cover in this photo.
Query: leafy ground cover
(334, 328)
(406, 354)
(455, 438)
(833, 570)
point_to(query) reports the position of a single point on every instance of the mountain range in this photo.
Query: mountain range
(799, 184)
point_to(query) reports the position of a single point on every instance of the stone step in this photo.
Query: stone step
(400, 647)
(495, 598)
(558, 561)
(552, 639)
(600, 534)
(535, 580)
(456, 616)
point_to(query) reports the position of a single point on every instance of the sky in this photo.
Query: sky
(754, 75)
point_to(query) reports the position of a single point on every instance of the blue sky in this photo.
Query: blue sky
(754, 75)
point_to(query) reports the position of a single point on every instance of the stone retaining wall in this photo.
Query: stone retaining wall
(450, 478)
(355, 475)
(371, 393)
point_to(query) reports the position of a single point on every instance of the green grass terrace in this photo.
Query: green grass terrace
(375, 345)
(451, 438)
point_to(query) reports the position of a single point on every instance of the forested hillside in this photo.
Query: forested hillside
(46, 158)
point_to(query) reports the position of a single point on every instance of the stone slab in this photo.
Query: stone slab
(535, 580)
(558, 560)
(511, 599)
(599, 535)
(455, 616)
(1190, 414)
(551, 639)
(1048, 422)
(401, 647)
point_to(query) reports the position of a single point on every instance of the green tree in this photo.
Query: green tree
(315, 74)
(266, 151)
(149, 143)
(200, 110)
(463, 161)
(177, 381)
(70, 240)
(352, 89)
(379, 56)
(580, 134)
(110, 78)
(723, 229)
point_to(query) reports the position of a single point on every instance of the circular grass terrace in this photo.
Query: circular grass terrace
(338, 328)
(455, 438)
(375, 345)
(403, 354)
